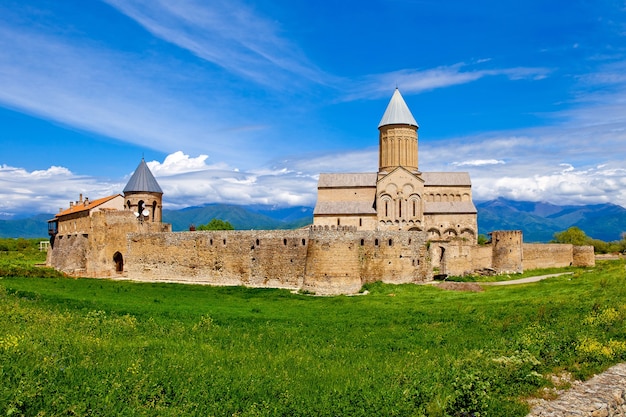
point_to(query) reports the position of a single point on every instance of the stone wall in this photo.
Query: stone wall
(91, 252)
(252, 258)
(316, 260)
(602, 396)
(340, 262)
(457, 257)
(108, 236)
(321, 259)
(69, 254)
(547, 255)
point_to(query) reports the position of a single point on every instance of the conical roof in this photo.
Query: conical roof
(142, 181)
(397, 112)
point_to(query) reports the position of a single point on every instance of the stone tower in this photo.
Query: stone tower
(143, 194)
(507, 251)
(397, 137)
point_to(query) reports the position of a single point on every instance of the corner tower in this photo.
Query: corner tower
(143, 194)
(397, 137)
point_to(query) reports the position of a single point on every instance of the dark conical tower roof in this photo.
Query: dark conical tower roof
(142, 181)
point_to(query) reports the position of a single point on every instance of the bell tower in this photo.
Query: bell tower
(143, 194)
(397, 137)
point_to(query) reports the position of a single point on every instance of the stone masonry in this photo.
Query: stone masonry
(602, 396)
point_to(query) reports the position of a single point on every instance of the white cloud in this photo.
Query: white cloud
(478, 162)
(46, 191)
(178, 163)
(412, 81)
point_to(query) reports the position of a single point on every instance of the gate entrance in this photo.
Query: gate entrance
(119, 262)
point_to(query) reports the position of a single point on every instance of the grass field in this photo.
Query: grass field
(99, 348)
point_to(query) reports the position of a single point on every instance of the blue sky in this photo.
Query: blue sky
(248, 101)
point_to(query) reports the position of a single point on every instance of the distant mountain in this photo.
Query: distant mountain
(30, 227)
(241, 217)
(538, 221)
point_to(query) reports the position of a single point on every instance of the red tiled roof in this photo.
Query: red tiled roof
(77, 208)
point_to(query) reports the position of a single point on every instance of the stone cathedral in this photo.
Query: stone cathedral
(399, 196)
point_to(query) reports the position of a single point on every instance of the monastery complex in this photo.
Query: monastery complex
(396, 225)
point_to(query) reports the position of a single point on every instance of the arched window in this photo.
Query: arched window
(154, 206)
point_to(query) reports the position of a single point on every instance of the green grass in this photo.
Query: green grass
(97, 347)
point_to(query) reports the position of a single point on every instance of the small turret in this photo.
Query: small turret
(143, 194)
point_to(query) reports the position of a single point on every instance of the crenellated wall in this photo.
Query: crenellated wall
(252, 258)
(91, 253)
(341, 261)
(320, 260)
(547, 255)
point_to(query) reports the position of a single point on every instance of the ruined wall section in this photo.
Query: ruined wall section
(252, 258)
(458, 258)
(547, 255)
(69, 254)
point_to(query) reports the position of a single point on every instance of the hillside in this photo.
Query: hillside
(538, 221)
(241, 217)
(31, 227)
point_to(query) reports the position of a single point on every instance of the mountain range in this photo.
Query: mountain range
(538, 221)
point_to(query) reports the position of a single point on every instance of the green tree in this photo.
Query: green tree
(573, 235)
(216, 224)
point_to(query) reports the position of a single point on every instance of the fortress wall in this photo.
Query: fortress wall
(108, 235)
(482, 257)
(584, 256)
(69, 254)
(547, 255)
(459, 258)
(252, 258)
(320, 261)
(340, 262)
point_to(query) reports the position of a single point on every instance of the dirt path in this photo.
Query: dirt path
(525, 280)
